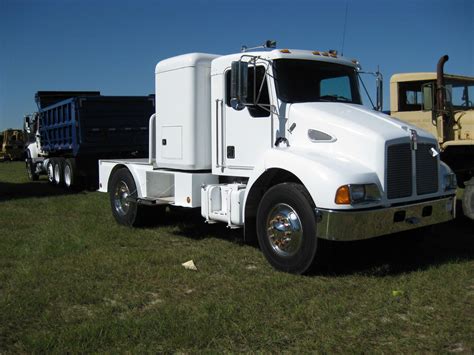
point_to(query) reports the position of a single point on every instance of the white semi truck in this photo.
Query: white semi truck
(278, 142)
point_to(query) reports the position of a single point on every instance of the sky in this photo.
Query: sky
(113, 45)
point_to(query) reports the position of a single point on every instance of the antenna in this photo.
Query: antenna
(344, 31)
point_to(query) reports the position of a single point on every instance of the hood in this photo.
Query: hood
(352, 119)
(358, 134)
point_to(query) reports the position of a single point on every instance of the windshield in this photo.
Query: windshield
(300, 80)
(461, 94)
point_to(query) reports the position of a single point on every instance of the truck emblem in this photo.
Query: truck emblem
(434, 152)
(414, 139)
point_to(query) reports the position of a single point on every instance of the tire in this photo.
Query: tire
(58, 165)
(50, 170)
(129, 213)
(468, 199)
(70, 174)
(31, 169)
(287, 210)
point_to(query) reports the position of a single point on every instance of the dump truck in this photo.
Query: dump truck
(73, 130)
(442, 104)
(11, 145)
(277, 142)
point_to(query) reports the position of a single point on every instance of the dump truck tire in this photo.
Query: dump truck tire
(58, 171)
(30, 168)
(50, 170)
(468, 199)
(70, 174)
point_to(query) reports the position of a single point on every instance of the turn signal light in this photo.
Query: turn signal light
(343, 195)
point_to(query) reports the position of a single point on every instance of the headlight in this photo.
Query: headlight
(357, 193)
(450, 182)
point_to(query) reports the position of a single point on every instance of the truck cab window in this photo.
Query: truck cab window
(254, 110)
(460, 94)
(336, 87)
(410, 97)
(315, 81)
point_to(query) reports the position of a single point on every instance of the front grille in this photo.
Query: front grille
(399, 175)
(426, 170)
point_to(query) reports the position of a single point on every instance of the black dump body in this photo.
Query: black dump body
(94, 126)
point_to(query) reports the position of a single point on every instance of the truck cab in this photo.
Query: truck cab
(279, 143)
(441, 104)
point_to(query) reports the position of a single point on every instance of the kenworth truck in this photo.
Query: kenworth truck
(442, 104)
(278, 143)
(72, 130)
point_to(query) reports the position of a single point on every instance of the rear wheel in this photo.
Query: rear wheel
(123, 194)
(286, 228)
(58, 171)
(70, 174)
(50, 170)
(468, 199)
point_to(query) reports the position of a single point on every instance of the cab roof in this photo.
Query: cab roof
(426, 76)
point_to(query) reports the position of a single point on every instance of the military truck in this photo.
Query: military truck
(442, 104)
(11, 144)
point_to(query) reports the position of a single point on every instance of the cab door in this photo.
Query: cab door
(247, 132)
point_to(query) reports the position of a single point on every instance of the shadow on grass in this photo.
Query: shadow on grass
(401, 252)
(13, 191)
(388, 255)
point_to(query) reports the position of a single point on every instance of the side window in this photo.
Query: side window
(410, 96)
(457, 95)
(254, 110)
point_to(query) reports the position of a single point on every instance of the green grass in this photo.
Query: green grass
(72, 280)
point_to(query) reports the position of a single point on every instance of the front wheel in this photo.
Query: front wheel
(286, 228)
(31, 169)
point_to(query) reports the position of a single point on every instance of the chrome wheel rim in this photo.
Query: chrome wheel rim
(57, 174)
(284, 230)
(121, 203)
(67, 175)
(50, 172)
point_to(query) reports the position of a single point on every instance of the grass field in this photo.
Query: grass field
(72, 280)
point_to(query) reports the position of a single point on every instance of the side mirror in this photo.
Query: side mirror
(27, 124)
(428, 97)
(238, 85)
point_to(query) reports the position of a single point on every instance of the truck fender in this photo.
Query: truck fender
(320, 175)
(31, 151)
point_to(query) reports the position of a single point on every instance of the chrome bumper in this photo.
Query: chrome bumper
(348, 225)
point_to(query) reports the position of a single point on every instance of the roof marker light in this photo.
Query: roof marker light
(316, 52)
(285, 51)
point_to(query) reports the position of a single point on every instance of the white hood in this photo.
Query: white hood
(352, 119)
(360, 135)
